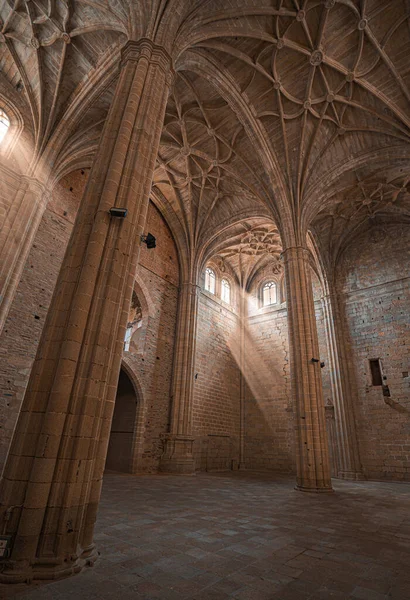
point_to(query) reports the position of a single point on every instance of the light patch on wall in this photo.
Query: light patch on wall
(260, 375)
(4, 124)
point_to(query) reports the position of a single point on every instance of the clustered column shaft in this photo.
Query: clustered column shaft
(178, 453)
(348, 459)
(312, 454)
(54, 470)
(242, 350)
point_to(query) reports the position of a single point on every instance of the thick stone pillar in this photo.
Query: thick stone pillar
(54, 470)
(348, 459)
(178, 452)
(25, 203)
(312, 453)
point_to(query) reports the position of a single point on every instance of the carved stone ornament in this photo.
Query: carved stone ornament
(316, 58)
(277, 267)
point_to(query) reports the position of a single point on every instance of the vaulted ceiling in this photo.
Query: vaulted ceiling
(247, 248)
(48, 49)
(292, 110)
(204, 168)
(369, 199)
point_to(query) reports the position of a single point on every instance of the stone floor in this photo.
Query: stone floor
(242, 536)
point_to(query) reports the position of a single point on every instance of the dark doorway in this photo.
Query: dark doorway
(120, 447)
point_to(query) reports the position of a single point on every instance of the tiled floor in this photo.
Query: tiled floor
(242, 536)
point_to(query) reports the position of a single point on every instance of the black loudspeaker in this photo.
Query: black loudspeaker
(149, 240)
(118, 212)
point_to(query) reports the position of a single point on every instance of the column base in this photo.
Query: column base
(178, 456)
(46, 569)
(315, 489)
(351, 475)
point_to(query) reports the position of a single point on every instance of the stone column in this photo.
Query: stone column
(242, 323)
(331, 435)
(178, 452)
(54, 470)
(312, 453)
(17, 231)
(348, 459)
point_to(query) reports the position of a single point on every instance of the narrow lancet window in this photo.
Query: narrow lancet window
(269, 293)
(127, 340)
(210, 280)
(225, 291)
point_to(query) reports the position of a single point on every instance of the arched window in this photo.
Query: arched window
(127, 340)
(4, 124)
(210, 280)
(134, 321)
(269, 293)
(225, 291)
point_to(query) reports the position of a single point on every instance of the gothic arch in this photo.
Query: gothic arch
(136, 444)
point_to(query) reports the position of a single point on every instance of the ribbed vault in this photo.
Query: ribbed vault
(369, 200)
(246, 248)
(327, 80)
(275, 107)
(203, 166)
(48, 49)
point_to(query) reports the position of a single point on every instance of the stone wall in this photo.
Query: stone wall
(22, 330)
(269, 415)
(9, 184)
(269, 429)
(158, 274)
(375, 293)
(151, 366)
(216, 403)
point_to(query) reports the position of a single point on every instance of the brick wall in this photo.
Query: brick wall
(269, 429)
(21, 333)
(158, 273)
(374, 281)
(216, 403)
(373, 278)
(269, 415)
(9, 184)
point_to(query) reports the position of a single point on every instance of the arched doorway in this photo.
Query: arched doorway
(121, 443)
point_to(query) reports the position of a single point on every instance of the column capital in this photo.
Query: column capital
(190, 288)
(295, 252)
(32, 184)
(134, 50)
